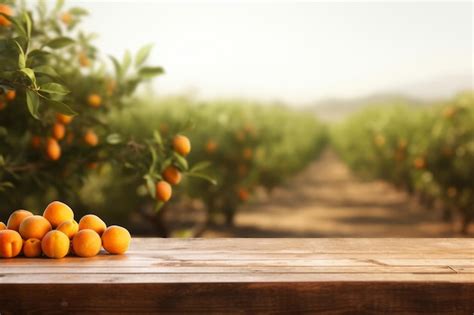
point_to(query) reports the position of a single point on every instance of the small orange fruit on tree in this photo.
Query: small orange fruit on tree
(7, 10)
(163, 191)
(181, 145)
(172, 175)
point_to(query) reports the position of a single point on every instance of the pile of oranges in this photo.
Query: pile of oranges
(56, 234)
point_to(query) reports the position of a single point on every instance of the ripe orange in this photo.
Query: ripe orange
(172, 175)
(91, 138)
(59, 131)
(94, 100)
(84, 61)
(10, 95)
(211, 146)
(57, 212)
(10, 243)
(16, 218)
(116, 239)
(36, 142)
(182, 145)
(32, 248)
(86, 243)
(7, 10)
(66, 18)
(3, 226)
(92, 222)
(34, 227)
(55, 244)
(64, 119)
(53, 150)
(163, 191)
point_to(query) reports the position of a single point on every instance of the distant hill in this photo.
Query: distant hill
(420, 94)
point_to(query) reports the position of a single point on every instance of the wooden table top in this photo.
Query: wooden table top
(250, 276)
(154, 260)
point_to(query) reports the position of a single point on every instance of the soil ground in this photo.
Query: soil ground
(327, 200)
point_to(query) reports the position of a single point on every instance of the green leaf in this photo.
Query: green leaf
(143, 54)
(117, 66)
(17, 24)
(150, 185)
(21, 56)
(48, 70)
(27, 20)
(157, 137)
(78, 11)
(59, 5)
(203, 176)
(127, 59)
(30, 74)
(37, 53)
(32, 101)
(60, 107)
(200, 166)
(114, 138)
(59, 42)
(54, 88)
(181, 162)
(150, 72)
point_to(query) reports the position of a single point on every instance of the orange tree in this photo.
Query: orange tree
(55, 95)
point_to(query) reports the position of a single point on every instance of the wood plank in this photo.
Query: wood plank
(237, 298)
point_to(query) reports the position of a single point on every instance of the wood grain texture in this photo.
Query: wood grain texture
(250, 276)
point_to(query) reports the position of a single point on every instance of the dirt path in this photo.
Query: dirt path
(326, 200)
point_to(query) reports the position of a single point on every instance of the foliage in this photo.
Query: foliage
(427, 151)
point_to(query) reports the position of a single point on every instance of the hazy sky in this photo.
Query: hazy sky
(293, 51)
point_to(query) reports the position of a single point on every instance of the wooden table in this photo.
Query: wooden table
(334, 276)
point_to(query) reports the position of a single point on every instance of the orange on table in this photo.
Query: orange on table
(69, 228)
(92, 222)
(163, 191)
(10, 243)
(32, 248)
(16, 218)
(86, 243)
(172, 175)
(58, 212)
(55, 244)
(34, 227)
(116, 239)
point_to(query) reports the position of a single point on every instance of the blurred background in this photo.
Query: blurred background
(315, 119)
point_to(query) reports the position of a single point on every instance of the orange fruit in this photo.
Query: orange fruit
(116, 239)
(57, 212)
(53, 150)
(66, 18)
(16, 218)
(36, 142)
(243, 194)
(92, 222)
(2, 226)
(55, 244)
(10, 95)
(90, 137)
(34, 227)
(182, 145)
(172, 175)
(7, 10)
(10, 243)
(59, 131)
(211, 146)
(69, 228)
(84, 61)
(94, 100)
(64, 119)
(163, 191)
(32, 248)
(86, 243)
